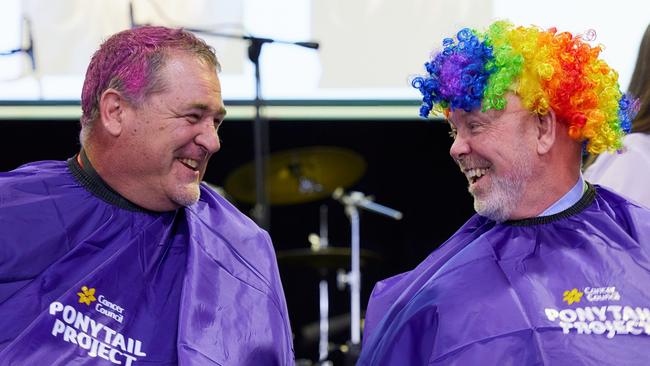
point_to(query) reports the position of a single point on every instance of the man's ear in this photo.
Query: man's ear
(546, 132)
(112, 109)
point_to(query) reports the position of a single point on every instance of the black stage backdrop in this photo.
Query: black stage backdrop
(408, 168)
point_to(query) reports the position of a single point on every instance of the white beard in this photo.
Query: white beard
(502, 197)
(187, 195)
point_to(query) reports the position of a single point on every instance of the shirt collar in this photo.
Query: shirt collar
(568, 200)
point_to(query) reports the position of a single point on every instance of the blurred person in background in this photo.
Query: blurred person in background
(628, 172)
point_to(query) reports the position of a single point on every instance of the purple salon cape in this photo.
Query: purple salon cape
(568, 289)
(88, 282)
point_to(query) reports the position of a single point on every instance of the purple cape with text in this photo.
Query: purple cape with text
(568, 289)
(85, 282)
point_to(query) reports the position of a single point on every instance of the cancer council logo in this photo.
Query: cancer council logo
(569, 296)
(87, 295)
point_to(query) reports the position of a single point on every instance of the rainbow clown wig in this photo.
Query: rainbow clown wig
(546, 69)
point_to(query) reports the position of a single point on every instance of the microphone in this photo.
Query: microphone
(312, 45)
(360, 200)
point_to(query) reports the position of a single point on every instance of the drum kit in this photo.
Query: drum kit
(310, 174)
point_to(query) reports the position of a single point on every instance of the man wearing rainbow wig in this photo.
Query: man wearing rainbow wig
(552, 270)
(121, 255)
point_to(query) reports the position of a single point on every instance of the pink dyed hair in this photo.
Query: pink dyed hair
(130, 62)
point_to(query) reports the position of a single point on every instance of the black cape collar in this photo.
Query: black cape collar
(584, 202)
(88, 177)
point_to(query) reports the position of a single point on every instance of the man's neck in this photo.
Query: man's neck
(542, 194)
(555, 175)
(568, 200)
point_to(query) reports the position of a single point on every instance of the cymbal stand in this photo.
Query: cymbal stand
(352, 202)
(323, 293)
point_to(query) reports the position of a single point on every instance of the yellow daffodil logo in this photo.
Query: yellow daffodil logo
(572, 296)
(87, 295)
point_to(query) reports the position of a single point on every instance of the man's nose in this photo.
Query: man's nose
(208, 138)
(459, 147)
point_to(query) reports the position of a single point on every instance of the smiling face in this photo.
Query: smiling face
(166, 142)
(496, 150)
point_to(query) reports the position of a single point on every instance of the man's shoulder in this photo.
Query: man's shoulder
(41, 178)
(35, 170)
(216, 211)
(470, 231)
(220, 230)
(217, 201)
(616, 200)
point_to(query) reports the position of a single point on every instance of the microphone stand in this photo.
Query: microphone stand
(29, 51)
(261, 211)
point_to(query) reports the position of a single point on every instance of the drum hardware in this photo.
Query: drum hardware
(299, 175)
(352, 201)
(323, 258)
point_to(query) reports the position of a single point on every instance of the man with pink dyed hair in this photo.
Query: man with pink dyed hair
(121, 255)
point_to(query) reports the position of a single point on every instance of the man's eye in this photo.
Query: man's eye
(193, 118)
(452, 134)
(473, 126)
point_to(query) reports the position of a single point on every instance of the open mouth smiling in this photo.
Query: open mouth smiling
(473, 175)
(190, 163)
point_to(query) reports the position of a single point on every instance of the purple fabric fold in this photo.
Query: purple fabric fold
(572, 291)
(83, 282)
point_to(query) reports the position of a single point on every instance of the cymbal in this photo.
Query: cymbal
(325, 258)
(299, 175)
